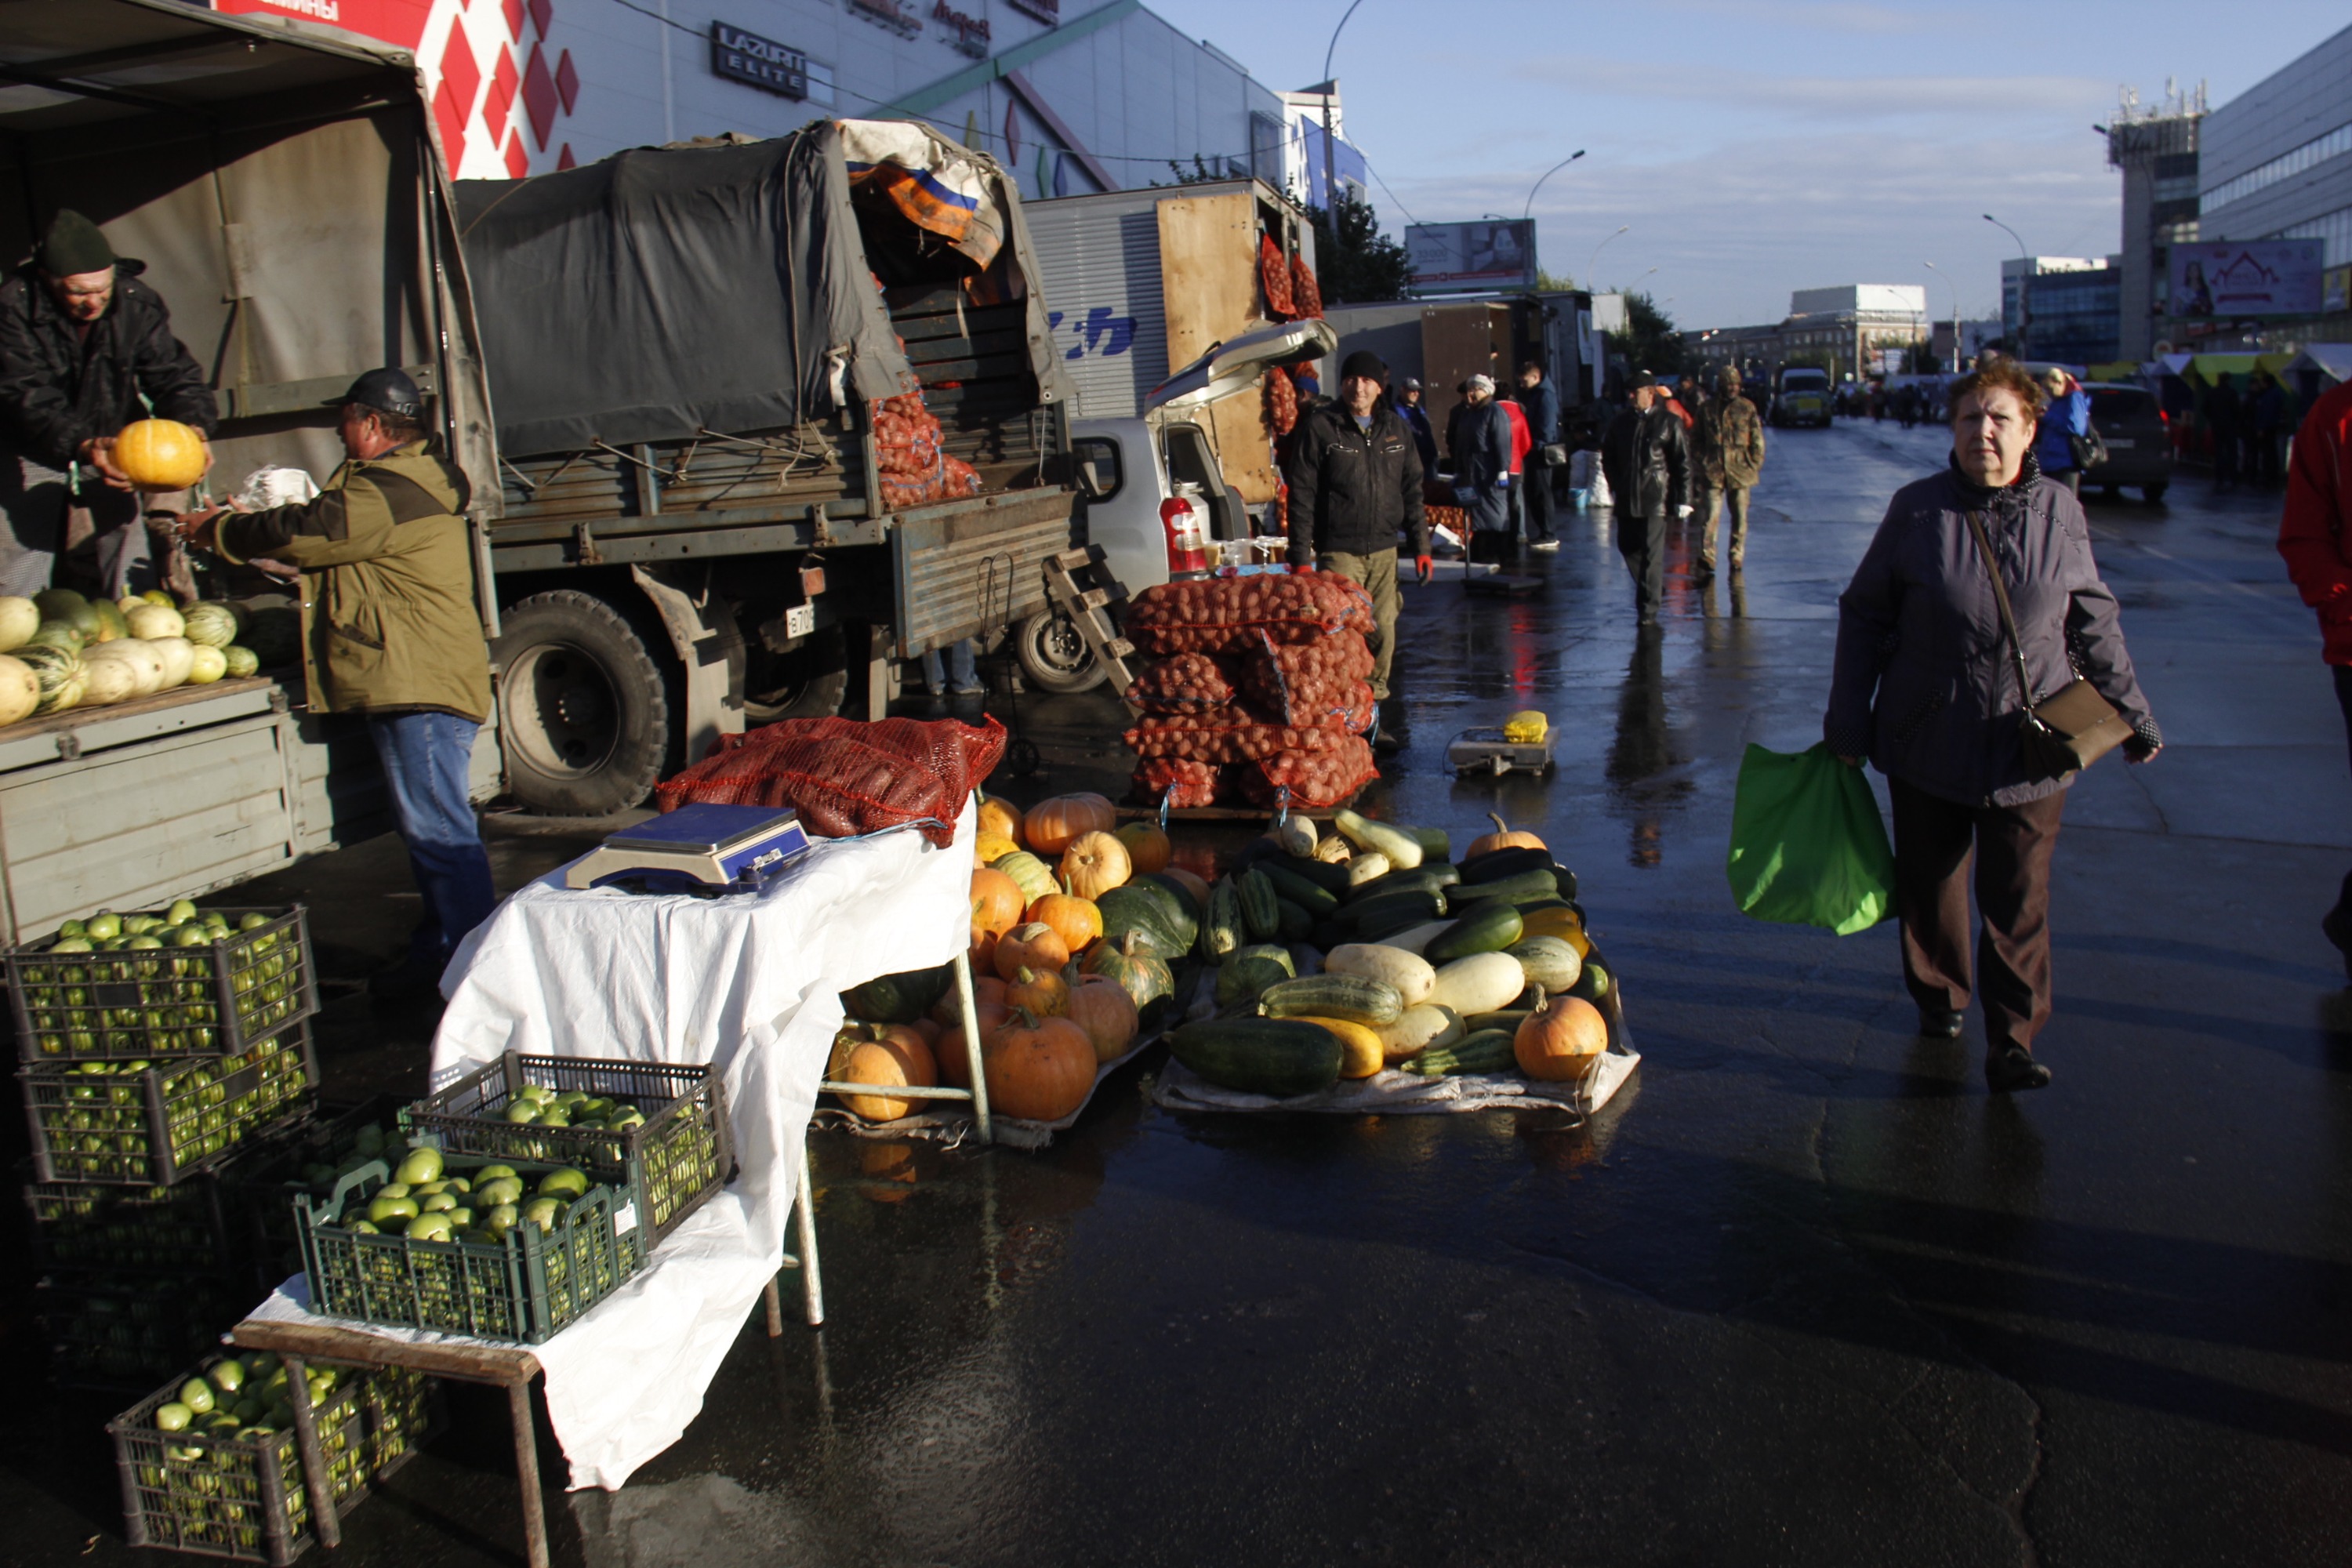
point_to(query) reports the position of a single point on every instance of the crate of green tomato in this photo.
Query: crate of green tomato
(511, 1249)
(136, 1123)
(209, 1463)
(658, 1128)
(312, 1155)
(183, 981)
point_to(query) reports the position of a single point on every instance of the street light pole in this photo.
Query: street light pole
(1330, 174)
(2024, 280)
(1548, 174)
(1956, 308)
(1592, 269)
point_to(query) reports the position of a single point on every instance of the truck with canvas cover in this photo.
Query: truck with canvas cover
(770, 414)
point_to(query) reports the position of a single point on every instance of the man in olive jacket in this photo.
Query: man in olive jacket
(1354, 476)
(1731, 458)
(390, 632)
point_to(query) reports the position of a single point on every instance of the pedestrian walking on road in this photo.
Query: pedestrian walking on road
(390, 632)
(1731, 459)
(2316, 537)
(2219, 413)
(2266, 417)
(1646, 457)
(1522, 444)
(2065, 420)
(1416, 419)
(1923, 685)
(1539, 400)
(1355, 483)
(1478, 441)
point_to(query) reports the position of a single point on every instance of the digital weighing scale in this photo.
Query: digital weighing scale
(1490, 750)
(705, 848)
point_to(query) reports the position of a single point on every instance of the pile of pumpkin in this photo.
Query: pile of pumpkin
(1339, 957)
(1074, 932)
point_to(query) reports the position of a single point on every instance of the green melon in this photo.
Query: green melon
(241, 661)
(210, 626)
(111, 622)
(65, 605)
(58, 671)
(59, 634)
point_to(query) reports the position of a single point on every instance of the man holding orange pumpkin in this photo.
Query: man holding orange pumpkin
(85, 348)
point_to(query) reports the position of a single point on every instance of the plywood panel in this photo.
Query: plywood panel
(1238, 430)
(1207, 271)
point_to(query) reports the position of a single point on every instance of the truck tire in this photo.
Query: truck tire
(1055, 656)
(585, 714)
(810, 683)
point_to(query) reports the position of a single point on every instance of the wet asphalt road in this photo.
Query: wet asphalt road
(1804, 1294)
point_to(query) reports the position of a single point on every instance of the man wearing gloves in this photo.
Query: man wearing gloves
(1355, 480)
(390, 632)
(1647, 459)
(1478, 440)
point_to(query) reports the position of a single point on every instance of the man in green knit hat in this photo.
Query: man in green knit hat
(86, 347)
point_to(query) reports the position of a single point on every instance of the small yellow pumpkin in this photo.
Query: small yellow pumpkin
(160, 454)
(1094, 864)
(1052, 824)
(1002, 818)
(1148, 849)
(990, 848)
(1505, 837)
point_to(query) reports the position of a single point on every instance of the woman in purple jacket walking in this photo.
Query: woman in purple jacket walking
(1923, 687)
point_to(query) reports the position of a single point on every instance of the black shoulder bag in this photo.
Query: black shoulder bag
(2072, 729)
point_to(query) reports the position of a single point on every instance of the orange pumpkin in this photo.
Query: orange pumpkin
(1094, 864)
(1039, 1069)
(988, 849)
(160, 454)
(1101, 1006)
(1000, 817)
(947, 1011)
(1052, 824)
(1505, 837)
(1562, 1041)
(1074, 920)
(953, 1059)
(1043, 992)
(1031, 946)
(1148, 849)
(996, 901)
(1194, 885)
(929, 1029)
(896, 1058)
(983, 952)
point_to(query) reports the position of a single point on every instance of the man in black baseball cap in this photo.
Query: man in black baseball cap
(86, 347)
(390, 632)
(1646, 458)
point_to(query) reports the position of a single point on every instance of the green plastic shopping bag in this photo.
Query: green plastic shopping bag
(1807, 845)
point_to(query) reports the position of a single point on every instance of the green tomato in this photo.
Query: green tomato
(181, 912)
(198, 1395)
(173, 1417)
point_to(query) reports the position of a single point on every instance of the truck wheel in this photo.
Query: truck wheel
(1055, 656)
(583, 710)
(810, 683)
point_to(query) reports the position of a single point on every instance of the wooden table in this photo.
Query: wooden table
(510, 1367)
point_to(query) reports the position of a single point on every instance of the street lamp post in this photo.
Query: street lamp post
(1548, 174)
(1592, 269)
(1956, 308)
(1331, 175)
(2024, 281)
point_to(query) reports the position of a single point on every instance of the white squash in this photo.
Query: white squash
(149, 622)
(145, 661)
(1409, 973)
(19, 619)
(1297, 836)
(1419, 1028)
(20, 690)
(1479, 983)
(1416, 938)
(1362, 868)
(1403, 849)
(108, 680)
(179, 658)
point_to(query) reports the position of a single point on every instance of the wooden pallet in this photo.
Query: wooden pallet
(1082, 588)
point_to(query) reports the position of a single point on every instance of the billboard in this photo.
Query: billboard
(2227, 278)
(1471, 258)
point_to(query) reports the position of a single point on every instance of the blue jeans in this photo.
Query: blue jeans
(425, 758)
(963, 671)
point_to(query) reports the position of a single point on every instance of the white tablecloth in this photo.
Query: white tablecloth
(749, 982)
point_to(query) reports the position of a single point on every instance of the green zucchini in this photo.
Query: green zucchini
(1220, 927)
(1245, 976)
(1277, 1057)
(1496, 864)
(1371, 1002)
(1388, 923)
(1257, 898)
(1421, 879)
(1310, 896)
(1502, 1018)
(1595, 983)
(1331, 879)
(1489, 927)
(1327, 935)
(1291, 923)
(1486, 1050)
(1423, 904)
(1436, 844)
(1536, 884)
(1567, 880)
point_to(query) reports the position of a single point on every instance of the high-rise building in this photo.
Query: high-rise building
(2036, 290)
(2155, 146)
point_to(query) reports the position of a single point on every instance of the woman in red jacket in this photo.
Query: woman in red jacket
(2311, 537)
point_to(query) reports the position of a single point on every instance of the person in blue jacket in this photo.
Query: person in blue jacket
(2068, 417)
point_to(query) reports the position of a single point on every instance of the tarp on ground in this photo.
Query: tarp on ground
(667, 291)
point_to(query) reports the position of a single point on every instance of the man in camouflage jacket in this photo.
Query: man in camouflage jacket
(1730, 441)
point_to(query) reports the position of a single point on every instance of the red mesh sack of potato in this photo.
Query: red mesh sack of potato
(1273, 273)
(847, 778)
(1230, 735)
(1451, 518)
(1435, 492)
(1305, 294)
(1321, 682)
(1193, 783)
(1184, 683)
(1281, 400)
(1221, 615)
(1316, 780)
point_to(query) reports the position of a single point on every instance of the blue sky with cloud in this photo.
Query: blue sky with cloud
(1754, 147)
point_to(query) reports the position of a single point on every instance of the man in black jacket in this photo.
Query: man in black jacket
(85, 349)
(1647, 459)
(1355, 480)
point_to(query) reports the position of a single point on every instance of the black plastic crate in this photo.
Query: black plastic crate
(134, 1124)
(522, 1287)
(91, 1226)
(683, 1153)
(220, 1495)
(122, 1332)
(258, 1187)
(151, 1004)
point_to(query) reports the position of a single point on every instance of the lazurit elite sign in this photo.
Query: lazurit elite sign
(758, 62)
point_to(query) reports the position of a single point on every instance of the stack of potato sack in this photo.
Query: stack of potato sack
(1257, 685)
(915, 464)
(1437, 506)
